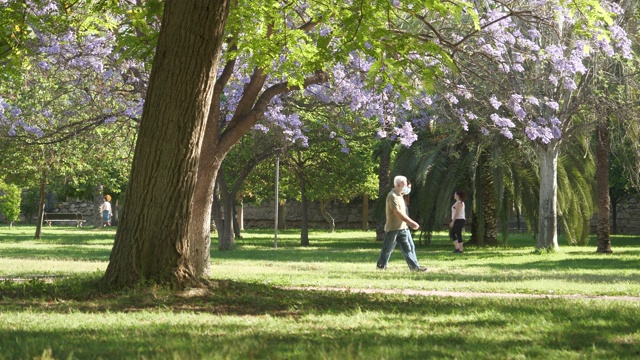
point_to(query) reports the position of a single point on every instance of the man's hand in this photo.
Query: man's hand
(414, 225)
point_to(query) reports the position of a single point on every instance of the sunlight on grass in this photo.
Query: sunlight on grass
(253, 308)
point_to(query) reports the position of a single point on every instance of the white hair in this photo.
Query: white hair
(398, 179)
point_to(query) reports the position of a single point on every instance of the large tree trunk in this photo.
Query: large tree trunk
(152, 241)
(384, 181)
(219, 138)
(602, 176)
(548, 213)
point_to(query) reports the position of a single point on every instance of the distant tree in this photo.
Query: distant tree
(10, 199)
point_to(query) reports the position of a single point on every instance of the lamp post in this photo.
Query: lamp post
(275, 237)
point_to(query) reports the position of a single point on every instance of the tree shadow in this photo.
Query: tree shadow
(234, 320)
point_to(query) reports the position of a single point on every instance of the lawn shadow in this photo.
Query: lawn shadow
(434, 319)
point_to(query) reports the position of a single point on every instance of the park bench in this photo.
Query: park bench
(53, 217)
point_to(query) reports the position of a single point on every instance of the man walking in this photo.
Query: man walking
(395, 228)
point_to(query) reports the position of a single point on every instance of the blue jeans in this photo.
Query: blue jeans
(391, 238)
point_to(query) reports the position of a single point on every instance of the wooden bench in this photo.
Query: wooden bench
(53, 217)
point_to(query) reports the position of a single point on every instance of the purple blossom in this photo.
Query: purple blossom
(15, 111)
(451, 98)
(406, 134)
(569, 84)
(506, 133)
(553, 105)
(495, 103)
(502, 121)
(520, 113)
(484, 131)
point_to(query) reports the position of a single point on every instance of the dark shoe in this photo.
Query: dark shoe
(420, 269)
(456, 251)
(381, 268)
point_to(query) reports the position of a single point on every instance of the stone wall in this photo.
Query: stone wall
(88, 210)
(347, 216)
(628, 217)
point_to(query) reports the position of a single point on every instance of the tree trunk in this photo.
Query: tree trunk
(490, 211)
(219, 138)
(236, 225)
(43, 184)
(282, 214)
(330, 220)
(225, 234)
(602, 176)
(384, 181)
(548, 213)
(304, 226)
(365, 212)
(614, 215)
(476, 236)
(152, 241)
(240, 213)
(115, 220)
(98, 199)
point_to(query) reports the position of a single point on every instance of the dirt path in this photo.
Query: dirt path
(411, 292)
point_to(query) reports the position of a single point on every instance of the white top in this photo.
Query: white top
(459, 214)
(106, 206)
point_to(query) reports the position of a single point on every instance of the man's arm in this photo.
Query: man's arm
(412, 224)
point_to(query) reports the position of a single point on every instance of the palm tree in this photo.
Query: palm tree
(501, 178)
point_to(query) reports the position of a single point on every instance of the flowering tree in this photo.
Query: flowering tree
(73, 80)
(532, 79)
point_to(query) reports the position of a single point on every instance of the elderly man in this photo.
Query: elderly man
(396, 230)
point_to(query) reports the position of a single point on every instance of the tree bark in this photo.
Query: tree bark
(490, 211)
(240, 212)
(614, 215)
(226, 240)
(282, 214)
(330, 220)
(548, 213)
(602, 176)
(384, 181)
(98, 198)
(304, 226)
(43, 184)
(152, 241)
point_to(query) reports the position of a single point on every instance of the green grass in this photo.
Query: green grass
(251, 311)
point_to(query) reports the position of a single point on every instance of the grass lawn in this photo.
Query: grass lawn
(252, 309)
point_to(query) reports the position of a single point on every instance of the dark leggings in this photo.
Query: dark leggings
(455, 233)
